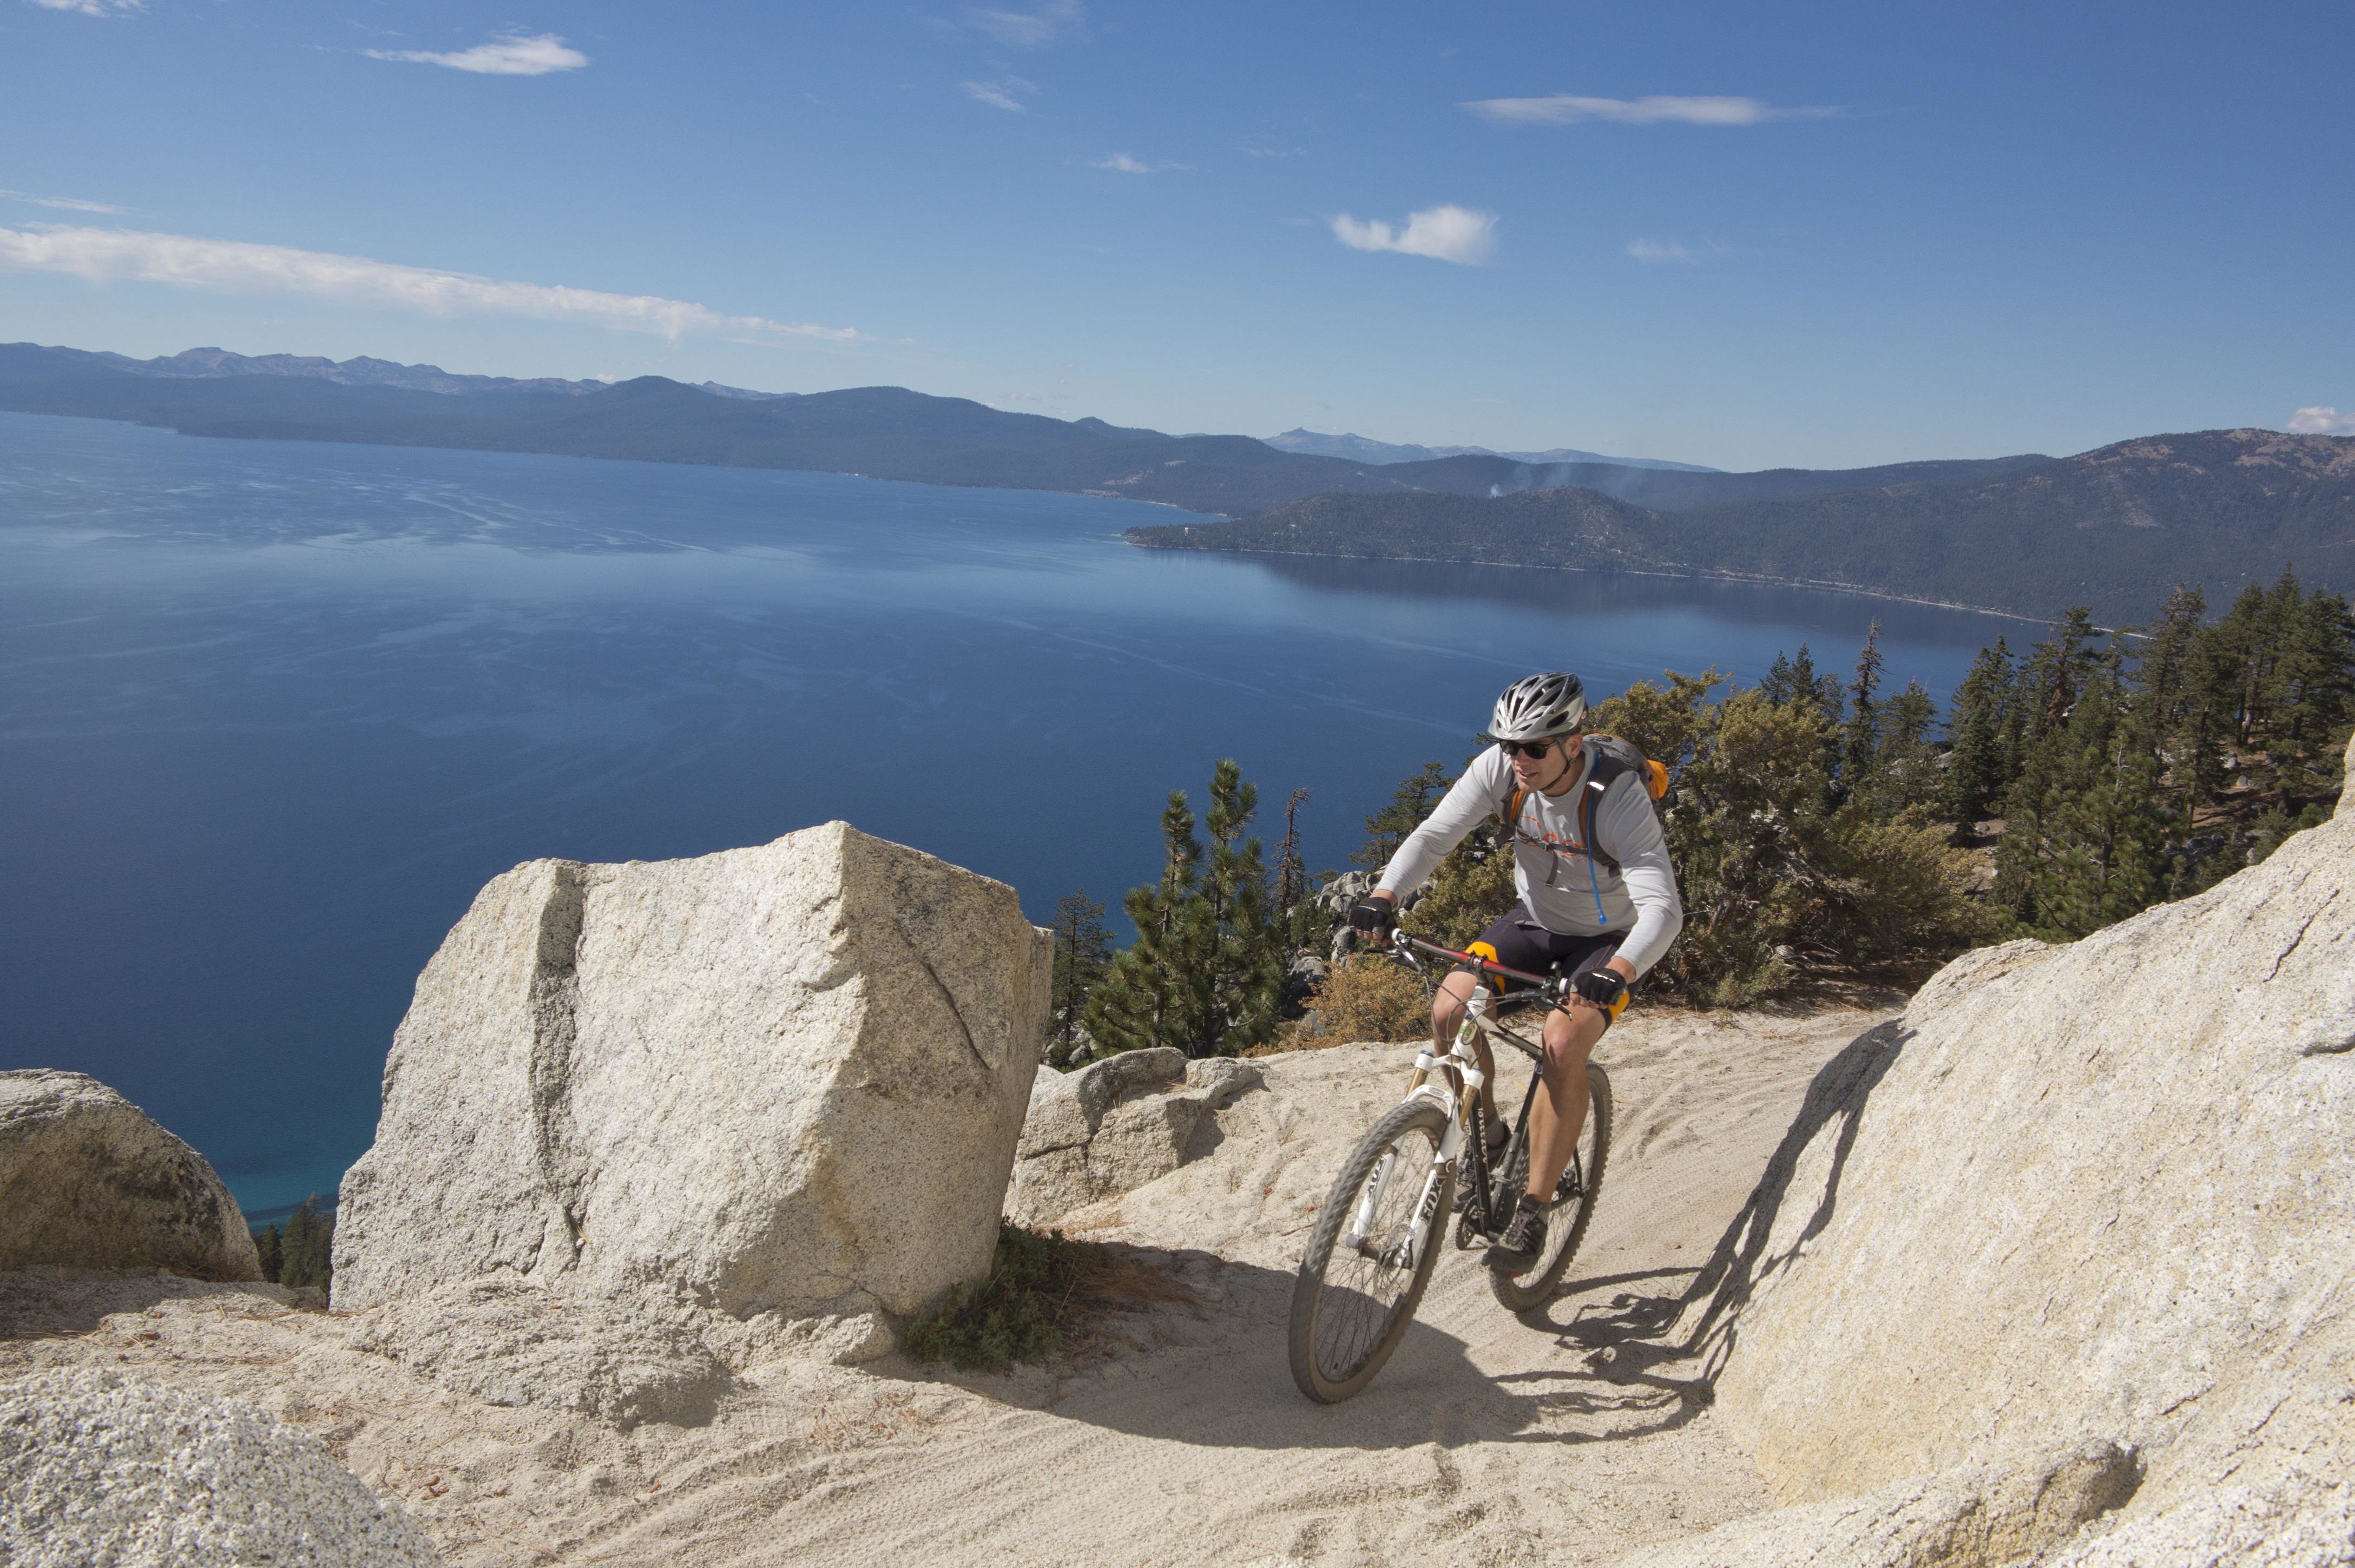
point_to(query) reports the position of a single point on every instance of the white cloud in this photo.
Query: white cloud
(93, 8)
(1448, 233)
(1568, 109)
(1044, 25)
(2319, 420)
(1121, 164)
(106, 255)
(1650, 251)
(1000, 94)
(62, 203)
(510, 54)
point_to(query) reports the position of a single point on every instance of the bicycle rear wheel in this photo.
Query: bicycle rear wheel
(1573, 1203)
(1352, 1300)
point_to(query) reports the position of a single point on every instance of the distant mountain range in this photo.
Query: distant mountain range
(208, 364)
(884, 432)
(1360, 449)
(2116, 528)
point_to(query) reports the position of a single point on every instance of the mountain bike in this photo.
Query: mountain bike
(1373, 1247)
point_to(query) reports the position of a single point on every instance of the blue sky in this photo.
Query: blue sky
(1739, 235)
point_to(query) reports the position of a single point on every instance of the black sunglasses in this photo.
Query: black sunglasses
(1535, 751)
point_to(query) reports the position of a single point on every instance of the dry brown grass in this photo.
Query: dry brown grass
(1361, 997)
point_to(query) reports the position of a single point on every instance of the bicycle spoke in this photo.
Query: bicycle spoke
(1363, 1286)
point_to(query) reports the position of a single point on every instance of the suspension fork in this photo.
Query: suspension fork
(1464, 1106)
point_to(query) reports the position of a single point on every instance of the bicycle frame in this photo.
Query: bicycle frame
(1453, 1080)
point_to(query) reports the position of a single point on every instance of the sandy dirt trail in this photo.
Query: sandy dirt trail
(1565, 1435)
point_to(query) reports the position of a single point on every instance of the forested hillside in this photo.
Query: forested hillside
(2116, 528)
(1822, 829)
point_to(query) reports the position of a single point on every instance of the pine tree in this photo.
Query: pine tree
(1243, 981)
(1861, 735)
(1291, 872)
(1083, 951)
(1206, 972)
(2098, 849)
(308, 1247)
(2176, 690)
(2044, 695)
(1978, 769)
(1793, 680)
(2279, 660)
(271, 1246)
(1148, 999)
(2056, 671)
(1409, 805)
(1307, 922)
(1908, 766)
(2316, 675)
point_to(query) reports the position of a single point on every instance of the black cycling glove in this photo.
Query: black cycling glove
(1373, 916)
(1606, 988)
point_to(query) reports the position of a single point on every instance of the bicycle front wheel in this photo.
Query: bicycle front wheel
(1573, 1203)
(1361, 1279)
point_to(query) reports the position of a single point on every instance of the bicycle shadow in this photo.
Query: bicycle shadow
(1643, 1361)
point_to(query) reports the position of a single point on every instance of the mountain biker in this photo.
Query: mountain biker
(1578, 916)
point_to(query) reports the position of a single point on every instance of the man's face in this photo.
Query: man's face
(1542, 771)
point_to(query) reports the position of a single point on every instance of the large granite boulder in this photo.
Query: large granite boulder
(777, 1081)
(96, 1469)
(2100, 1192)
(1115, 1125)
(88, 1180)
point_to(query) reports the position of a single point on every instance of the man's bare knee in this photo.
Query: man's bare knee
(1569, 1035)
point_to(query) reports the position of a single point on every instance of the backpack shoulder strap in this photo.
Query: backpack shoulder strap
(1509, 809)
(1606, 768)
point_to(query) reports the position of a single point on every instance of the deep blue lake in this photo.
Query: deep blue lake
(271, 712)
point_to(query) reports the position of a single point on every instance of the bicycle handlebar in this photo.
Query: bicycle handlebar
(1400, 941)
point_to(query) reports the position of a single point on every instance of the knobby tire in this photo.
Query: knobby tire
(1341, 1335)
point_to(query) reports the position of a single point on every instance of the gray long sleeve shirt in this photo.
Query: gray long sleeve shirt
(1561, 885)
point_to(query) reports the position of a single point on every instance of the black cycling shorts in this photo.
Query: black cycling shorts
(1520, 942)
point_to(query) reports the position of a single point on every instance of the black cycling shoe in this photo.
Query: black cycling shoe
(1524, 1240)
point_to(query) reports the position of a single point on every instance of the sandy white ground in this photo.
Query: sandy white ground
(1567, 1435)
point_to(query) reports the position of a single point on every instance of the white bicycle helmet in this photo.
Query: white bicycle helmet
(1537, 707)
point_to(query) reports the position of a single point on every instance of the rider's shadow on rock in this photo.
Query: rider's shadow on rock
(1643, 1360)
(1662, 1352)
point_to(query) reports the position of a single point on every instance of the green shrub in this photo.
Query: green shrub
(1777, 877)
(1040, 1289)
